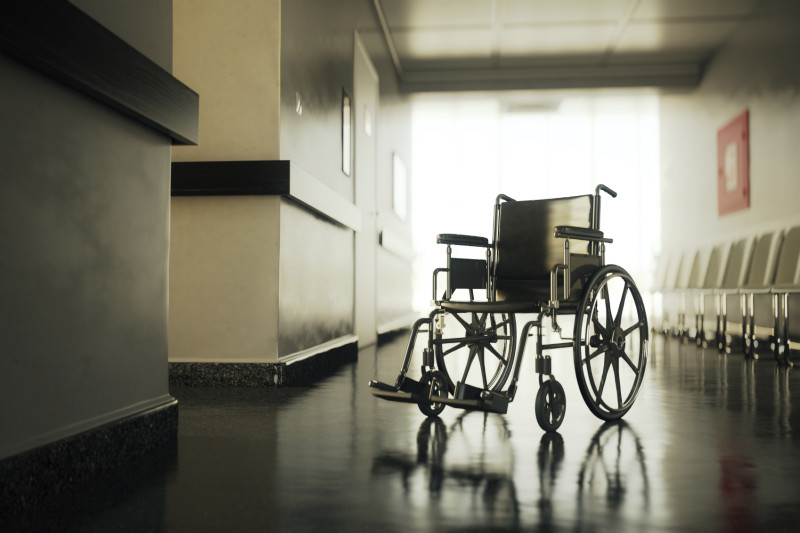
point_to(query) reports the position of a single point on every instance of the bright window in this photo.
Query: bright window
(468, 150)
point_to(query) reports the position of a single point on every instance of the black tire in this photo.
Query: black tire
(611, 335)
(551, 405)
(489, 338)
(434, 383)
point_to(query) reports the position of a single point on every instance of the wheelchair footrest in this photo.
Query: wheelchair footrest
(496, 402)
(467, 392)
(408, 392)
(473, 398)
(381, 386)
(477, 405)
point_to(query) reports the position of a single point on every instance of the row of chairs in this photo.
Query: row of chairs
(745, 292)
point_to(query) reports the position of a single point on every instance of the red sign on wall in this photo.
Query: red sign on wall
(733, 165)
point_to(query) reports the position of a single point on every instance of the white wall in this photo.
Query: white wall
(757, 70)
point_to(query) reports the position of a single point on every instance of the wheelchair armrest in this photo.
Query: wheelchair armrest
(585, 234)
(462, 240)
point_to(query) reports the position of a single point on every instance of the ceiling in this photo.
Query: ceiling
(445, 45)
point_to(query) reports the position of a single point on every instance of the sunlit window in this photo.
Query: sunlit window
(466, 151)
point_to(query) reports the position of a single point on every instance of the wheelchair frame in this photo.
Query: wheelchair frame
(588, 286)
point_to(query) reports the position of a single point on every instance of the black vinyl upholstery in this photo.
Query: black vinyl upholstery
(461, 240)
(526, 249)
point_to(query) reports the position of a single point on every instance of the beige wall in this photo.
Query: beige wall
(224, 250)
(258, 279)
(223, 279)
(756, 70)
(229, 52)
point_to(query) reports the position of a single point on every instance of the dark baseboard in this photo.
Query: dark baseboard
(30, 479)
(295, 374)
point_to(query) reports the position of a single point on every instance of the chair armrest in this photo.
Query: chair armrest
(584, 234)
(462, 240)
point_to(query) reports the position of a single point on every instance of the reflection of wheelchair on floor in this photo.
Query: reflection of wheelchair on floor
(473, 458)
(532, 266)
(614, 473)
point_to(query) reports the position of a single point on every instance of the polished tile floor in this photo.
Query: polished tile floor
(712, 444)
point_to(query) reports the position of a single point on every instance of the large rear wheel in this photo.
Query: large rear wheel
(610, 349)
(475, 348)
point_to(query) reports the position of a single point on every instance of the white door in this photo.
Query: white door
(365, 114)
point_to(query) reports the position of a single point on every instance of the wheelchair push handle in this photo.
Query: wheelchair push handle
(602, 187)
(503, 198)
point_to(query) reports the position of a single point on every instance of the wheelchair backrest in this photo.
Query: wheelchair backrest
(525, 248)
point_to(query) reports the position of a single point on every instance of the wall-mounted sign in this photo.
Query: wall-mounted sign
(733, 165)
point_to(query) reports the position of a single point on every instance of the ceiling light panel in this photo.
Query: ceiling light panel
(665, 38)
(552, 40)
(559, 11)
(404, 14)
(683, 9)
(443, 43)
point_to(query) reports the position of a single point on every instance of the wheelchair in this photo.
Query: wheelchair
(546, 259)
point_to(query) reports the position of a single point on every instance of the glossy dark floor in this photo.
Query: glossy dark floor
(712, 444)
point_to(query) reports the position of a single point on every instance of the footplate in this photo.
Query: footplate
(475, 399)
(409, 391)
(467, 397)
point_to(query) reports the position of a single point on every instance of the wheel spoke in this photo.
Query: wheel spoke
(602, 349)
(482, 364)
(602, 330)
(502, 324)
(472, 350)
(454, 348)
(467, 326)
(632, 328)
(630, 363)
(496, 354)
(609, 315)
(606, 364)
(479, 323)
(616, 379)
(618, 320)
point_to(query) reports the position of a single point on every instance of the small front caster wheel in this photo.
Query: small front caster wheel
(551, 405)
(435, 385)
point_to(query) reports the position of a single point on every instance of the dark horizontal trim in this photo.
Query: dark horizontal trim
(60, 40)
(230, 178)
(259, 178)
